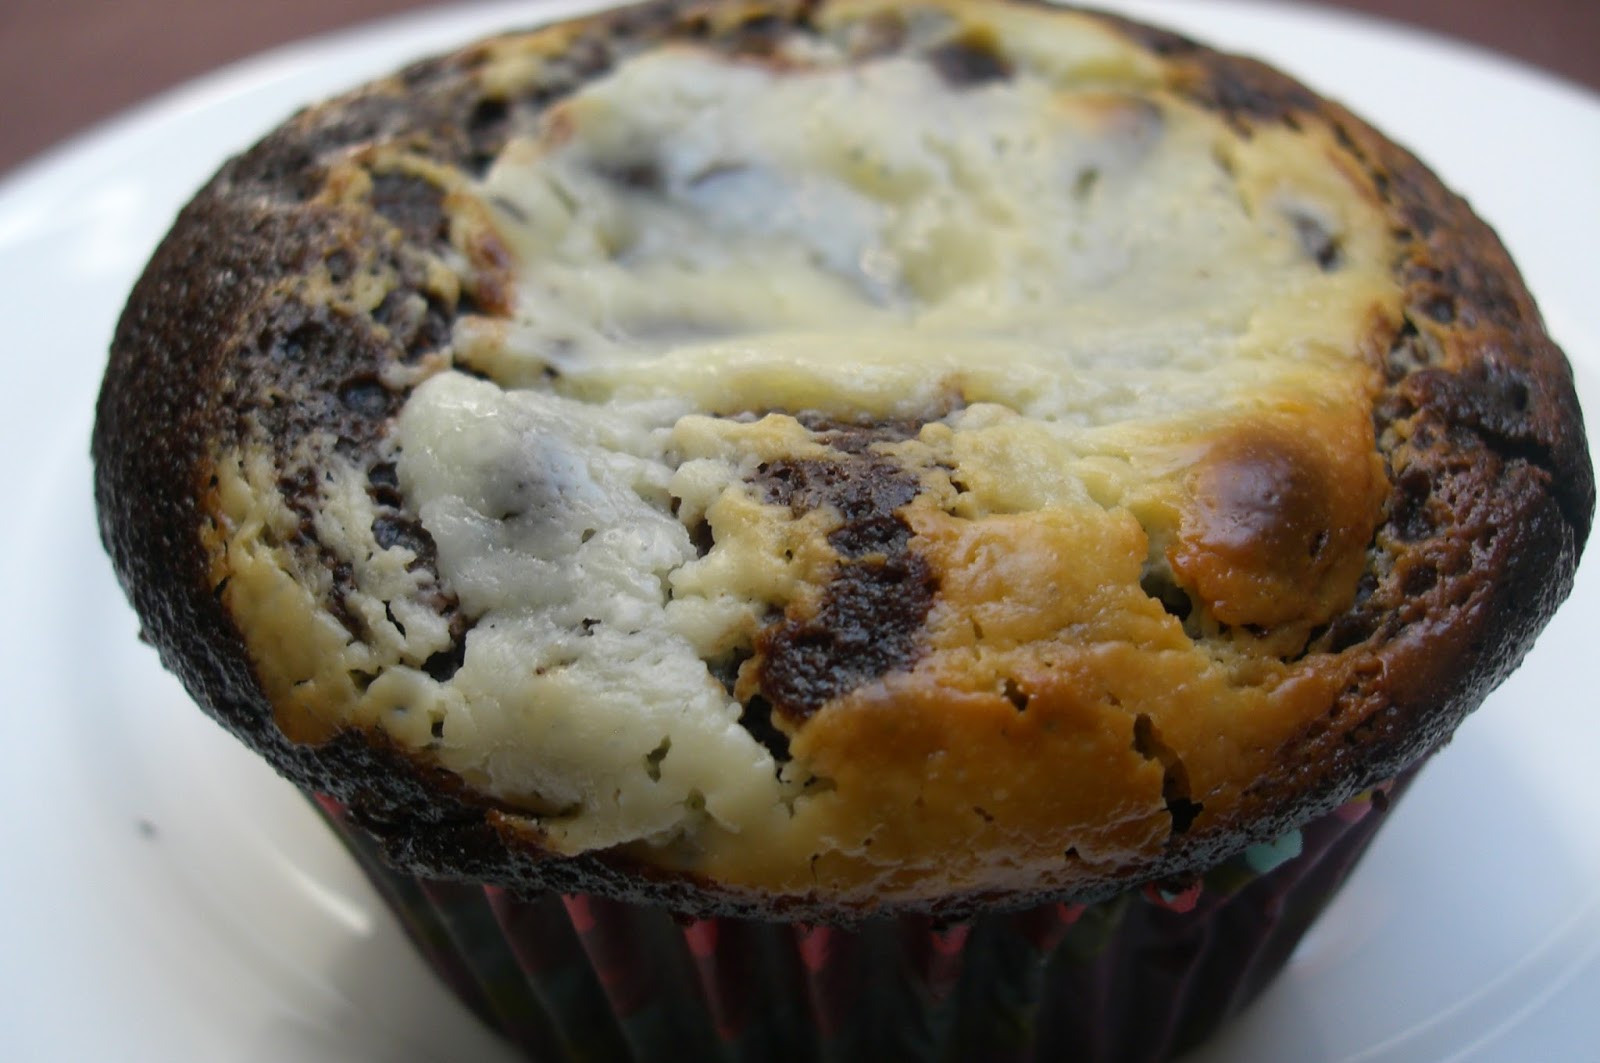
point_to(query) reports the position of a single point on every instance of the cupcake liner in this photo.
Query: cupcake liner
(1141, 977)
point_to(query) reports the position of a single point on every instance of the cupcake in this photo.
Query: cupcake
(800, 530)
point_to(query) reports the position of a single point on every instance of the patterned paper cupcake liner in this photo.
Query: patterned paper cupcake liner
(1141, 977)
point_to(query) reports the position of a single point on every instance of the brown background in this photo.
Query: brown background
(66, 63)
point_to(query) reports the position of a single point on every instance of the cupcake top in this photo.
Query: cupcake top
(828, 458)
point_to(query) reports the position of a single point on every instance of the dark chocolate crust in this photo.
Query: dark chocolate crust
(1478, 424)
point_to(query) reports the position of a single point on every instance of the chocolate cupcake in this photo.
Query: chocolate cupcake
(820, 528)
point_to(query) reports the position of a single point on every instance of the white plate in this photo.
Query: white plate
(165, 897)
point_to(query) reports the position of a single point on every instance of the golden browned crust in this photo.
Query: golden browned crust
(232, 334)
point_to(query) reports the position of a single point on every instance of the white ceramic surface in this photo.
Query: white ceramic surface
(165, 897)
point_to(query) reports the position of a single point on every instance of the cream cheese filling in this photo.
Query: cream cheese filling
(1067, 281)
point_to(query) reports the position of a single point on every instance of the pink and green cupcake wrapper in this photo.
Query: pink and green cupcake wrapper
(1141, 977)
